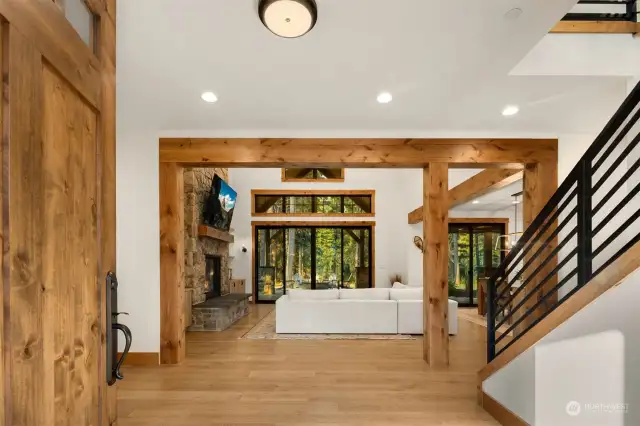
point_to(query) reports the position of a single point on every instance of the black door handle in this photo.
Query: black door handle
(127, 336)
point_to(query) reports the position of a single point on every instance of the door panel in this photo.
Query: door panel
(58, 215)
(70, 253)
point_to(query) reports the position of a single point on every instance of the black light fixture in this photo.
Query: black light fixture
(288, 18)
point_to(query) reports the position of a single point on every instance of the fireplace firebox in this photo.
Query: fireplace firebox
(213, 276)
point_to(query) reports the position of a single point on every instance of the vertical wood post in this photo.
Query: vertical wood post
(172, 335)
(540, 183)
(435, 183)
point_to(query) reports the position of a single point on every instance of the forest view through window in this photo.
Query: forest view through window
(311, 257)
(310, 203)
(307, 175)
(475, 252)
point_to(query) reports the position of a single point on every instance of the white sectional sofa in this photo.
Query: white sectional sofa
(355, 311)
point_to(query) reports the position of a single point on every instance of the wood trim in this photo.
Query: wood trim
(345, 153)
(435, 264)
(141, 358)
(216, 234)
(596, 27)
(503, 415)
(327, 180)
(310, 192)
(476, 186)
(172, 335)
(609, 278)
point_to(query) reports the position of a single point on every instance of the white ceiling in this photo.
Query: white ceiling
(498, 200)
(446, 64)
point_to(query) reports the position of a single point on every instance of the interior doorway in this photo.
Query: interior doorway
(475, 250)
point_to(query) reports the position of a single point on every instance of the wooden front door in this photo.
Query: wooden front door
(58, 209)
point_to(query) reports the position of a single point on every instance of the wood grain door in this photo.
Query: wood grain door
(58, 209)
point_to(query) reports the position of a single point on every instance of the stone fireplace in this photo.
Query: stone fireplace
(197, 183)
(212, 276)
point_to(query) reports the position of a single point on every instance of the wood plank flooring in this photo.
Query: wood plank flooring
(227, 381)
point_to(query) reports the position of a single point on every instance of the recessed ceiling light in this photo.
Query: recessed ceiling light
(510, 110)
(475, 202)
(515, 202)
(209, 97)
(288, 18)
(385, 98)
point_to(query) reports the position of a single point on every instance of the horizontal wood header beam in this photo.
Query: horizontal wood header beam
(355, 152)
(477, 185)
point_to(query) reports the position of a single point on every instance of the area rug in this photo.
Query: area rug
(266, 330)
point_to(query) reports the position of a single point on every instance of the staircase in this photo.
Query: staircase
(584, 242)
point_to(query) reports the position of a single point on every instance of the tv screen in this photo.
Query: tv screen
(220, 205)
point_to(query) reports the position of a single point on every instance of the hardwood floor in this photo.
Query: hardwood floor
(226, 381)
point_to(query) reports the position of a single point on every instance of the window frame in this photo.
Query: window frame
(314, 180)
(283, 193)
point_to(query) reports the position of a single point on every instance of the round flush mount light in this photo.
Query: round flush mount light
(384, 98)
(475, 202)
(288, 18)
(510, 110)
(209, 97)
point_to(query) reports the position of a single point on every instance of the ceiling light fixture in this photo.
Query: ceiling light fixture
(288, 18)
(510, 110)
(384, 98)
(475, 202)
(209, 97)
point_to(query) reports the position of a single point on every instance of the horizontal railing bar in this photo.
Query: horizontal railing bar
(544, 315)
(540, 284)
(542, 246)
(624, 154)
(542, 299)
(546, 225)
(532, 229)
(625, 130)
(616, 233)
(617, 208)
(613, 258)
(616, 17)
(615, 189)
(610, 2)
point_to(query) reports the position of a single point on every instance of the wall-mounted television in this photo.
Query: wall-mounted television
(218, 209)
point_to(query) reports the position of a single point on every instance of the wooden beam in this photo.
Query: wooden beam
(540, 183)
(480, 184)
(172, 336)
(355, 152)
(435, 264)
(596, 27)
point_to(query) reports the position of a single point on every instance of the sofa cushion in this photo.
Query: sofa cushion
(364, 293)
(300, 294)
(414, 293)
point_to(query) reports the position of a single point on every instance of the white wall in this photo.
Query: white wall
(590, 359)
(394, 195)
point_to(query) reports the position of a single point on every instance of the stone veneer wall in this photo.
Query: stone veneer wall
(197, 183)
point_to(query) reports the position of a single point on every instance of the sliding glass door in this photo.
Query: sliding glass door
(311, 257)
(475, 250)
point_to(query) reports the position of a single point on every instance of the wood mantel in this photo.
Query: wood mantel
(216, 234)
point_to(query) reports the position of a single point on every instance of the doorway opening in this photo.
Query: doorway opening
(475, 252)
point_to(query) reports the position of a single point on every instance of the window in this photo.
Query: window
(81, 19)
(311, 256)
(313, 203)
(313, 175)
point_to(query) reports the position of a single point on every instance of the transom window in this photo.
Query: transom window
(310, 203)
(312, 175)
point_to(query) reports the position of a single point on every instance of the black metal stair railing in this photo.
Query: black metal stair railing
(605, 10)
(587, 224)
